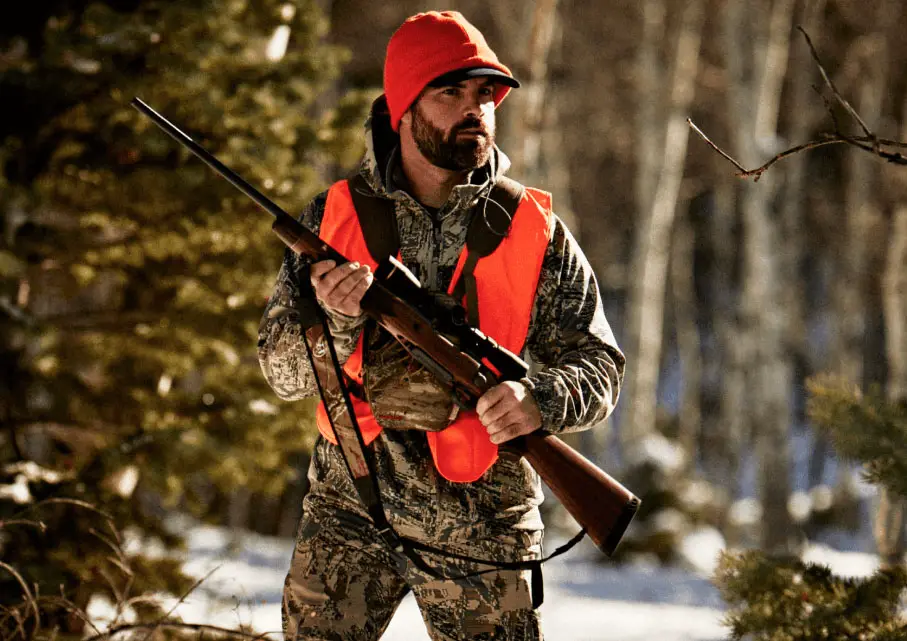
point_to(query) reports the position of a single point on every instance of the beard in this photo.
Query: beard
(450, 152)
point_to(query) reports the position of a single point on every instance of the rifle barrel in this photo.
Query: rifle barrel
(174, 132)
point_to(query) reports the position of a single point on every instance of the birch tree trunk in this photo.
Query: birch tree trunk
(757, 84)
(650, 88)
(894, 294)
(803, 114)
(652, 243)
(683, 296)
(532, 127)
(850, 288)
(528, 116)
(724, 387)
(889, 522)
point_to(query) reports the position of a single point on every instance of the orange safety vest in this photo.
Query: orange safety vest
(506, 281)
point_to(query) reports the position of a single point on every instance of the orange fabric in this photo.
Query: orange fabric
(506, 282)
(463, 452)
(340, 229)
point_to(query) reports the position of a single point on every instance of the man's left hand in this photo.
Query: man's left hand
(508, 410)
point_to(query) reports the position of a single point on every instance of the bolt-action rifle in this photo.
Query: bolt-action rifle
(599, 503)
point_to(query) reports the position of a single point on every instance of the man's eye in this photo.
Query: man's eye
(450, 91)
(487, 91)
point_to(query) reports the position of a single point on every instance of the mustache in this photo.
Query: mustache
(470, 123)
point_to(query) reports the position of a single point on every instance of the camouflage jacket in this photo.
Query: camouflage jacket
(576, 385)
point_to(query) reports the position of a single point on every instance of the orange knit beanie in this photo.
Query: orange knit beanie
(429, 45)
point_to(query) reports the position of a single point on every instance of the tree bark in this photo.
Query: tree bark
(889, 522)
(894, 292)
(762, 328)
(650, 83)
(688, 339)
(653, 240)
(528, 118)
(850, 295)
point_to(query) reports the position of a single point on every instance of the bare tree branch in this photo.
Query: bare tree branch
(199, 627)
(28, 595)
(163, 620)
(35, 524)
(33, 603)
(831, 85)
(869, 142)
(68, 501)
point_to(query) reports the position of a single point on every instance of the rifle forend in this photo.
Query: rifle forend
(599, 503)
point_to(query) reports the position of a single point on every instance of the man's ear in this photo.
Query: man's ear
(407, 118)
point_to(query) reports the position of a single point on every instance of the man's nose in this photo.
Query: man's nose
(472, 103)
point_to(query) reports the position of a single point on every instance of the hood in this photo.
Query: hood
(382, 157)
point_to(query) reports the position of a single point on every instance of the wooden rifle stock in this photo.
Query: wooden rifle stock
(599, 503)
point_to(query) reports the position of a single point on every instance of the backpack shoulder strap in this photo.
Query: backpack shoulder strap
(493, 215)
(490, 224)
(377, 219)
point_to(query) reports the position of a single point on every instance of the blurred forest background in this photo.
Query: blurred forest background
(132, 278)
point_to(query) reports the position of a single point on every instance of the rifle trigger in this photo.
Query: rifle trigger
(458, 401)
(461, 398)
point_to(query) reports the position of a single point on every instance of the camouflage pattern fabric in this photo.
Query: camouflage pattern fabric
(575, 383)
(345, 584)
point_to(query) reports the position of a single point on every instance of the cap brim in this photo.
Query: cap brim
(459, 75)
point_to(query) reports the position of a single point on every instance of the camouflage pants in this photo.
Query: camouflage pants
(345, 584)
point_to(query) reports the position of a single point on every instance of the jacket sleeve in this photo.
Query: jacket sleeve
(281, 351)
(582, 367)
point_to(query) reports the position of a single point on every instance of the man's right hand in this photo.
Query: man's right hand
(340, 289)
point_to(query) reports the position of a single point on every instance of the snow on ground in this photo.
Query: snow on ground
(586, 599)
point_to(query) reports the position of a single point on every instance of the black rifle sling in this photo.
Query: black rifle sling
(358, 461)
(349, 437)
(489, 225)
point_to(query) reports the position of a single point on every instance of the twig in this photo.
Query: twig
(743, 170)
(13, 612)
(68, 501)
(869, 142)
(35, 524)
(72, 608)
(192, 589)
(831, 85)
(757, 173)
(120, 560)
(151, 627)
(28, 595)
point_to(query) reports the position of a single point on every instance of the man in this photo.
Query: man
(445, 480)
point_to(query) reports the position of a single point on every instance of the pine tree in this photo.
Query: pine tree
(784, 599)
(863, 427)
(775, 599)
(132, 278)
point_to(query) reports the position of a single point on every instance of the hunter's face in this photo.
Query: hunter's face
(453, 126)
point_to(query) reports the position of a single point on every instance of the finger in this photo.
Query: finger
(319, 269)
(326, 288)
(510, 431)
(350, 283)
(514, 415)
(354, 297)
(502, 408)
(335, 276)
(490, 398)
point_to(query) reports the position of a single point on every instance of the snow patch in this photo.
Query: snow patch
(701, 548)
